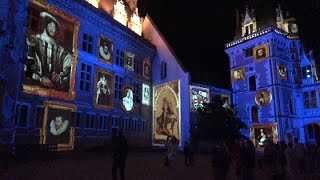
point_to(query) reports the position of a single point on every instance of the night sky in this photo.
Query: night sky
(198, 30)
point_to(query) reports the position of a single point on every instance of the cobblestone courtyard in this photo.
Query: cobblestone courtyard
(97, 166)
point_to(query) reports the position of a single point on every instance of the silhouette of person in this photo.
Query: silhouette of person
(119, 155)
(48, 64)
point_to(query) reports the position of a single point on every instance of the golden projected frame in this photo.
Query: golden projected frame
(44, 130)
(157, 91)
(241, 76)
(70, 95)
(266, 51)
(110, 84)
(273, 127)
(110, 62)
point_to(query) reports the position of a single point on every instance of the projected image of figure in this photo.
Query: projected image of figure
(167, 119)
(105, 50)
(237, 74)
(146, 95)
(103, 91)
(282, 71)
(263, 98)
(198, 98)
(127, 100)
(263, 136)
(58, 126)
(48, 64)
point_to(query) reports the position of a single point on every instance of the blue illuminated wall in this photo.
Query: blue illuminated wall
(294, 106)
(22, 114)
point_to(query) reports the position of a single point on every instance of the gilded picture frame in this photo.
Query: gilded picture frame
(261, 52)
(238, 74)
(263, 97)
(269, 131)
(166, 112)
(105, 50)
(129, 60)
(103, 89)
(52, 110)
(38, 78)
(147, 68)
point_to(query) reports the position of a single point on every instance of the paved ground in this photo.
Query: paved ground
(97, 166)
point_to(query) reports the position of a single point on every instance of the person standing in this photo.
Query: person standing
(119, 155)
(186, 151)
(172, 145)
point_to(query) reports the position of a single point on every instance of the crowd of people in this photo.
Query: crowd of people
(283, 161)
(238, 160)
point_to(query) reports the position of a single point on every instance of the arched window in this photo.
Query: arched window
(254, 114)
(252, 83)
(163, 73)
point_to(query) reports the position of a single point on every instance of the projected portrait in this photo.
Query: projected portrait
(147, 73)
(198, 96)
(263, 98)
(127, 99)
(145, 94)
(52, 44)
(129, 60)
(293, 28)
(103, 88)
(226, 100)
(105, 50)
(238, 74)
(261, 135)
(261, 52)
(166, 112)
(58, 127)
(282, 70)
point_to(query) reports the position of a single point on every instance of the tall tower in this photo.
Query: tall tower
(265, 63)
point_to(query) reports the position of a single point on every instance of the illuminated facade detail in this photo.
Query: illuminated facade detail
(278, 91)
(198, 96)
(120, 13)
(249, 24)
(135, 23)
(94, 3)
(146, 94)
(127, 99)
(166, 112)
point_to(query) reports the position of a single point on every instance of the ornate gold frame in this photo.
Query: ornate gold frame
(111, 74)
(131, 68)
(157, 90)
(281, 65)
(269, 96)
(147, 61)
(29, 89)
(44, 130)
(273, 126)
(123, 95)
(243, 72)
(190, 95)
(111, 52)
(267, 52)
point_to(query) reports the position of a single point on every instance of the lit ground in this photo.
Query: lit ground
(97, 166)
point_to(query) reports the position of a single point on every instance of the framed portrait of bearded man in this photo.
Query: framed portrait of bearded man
(51, 40)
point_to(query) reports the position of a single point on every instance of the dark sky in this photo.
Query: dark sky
(197, 31)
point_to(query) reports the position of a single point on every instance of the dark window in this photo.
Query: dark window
(306, 72)
(310, 99)
(313, 131)
(87, 43)
(85, 77)
(137, 66)
(21, 115)
(39, 117)
(163, 73)
(90, 121)
(119, 57)
(136, 92)
(252, 83)
(248, 52)
(78, 119)
(254, 114)
(143, 126)
(118, 86)
(104, 122)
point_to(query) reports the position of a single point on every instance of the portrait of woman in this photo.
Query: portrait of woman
(127, 100)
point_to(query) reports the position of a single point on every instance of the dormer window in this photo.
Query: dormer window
(306, 72)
